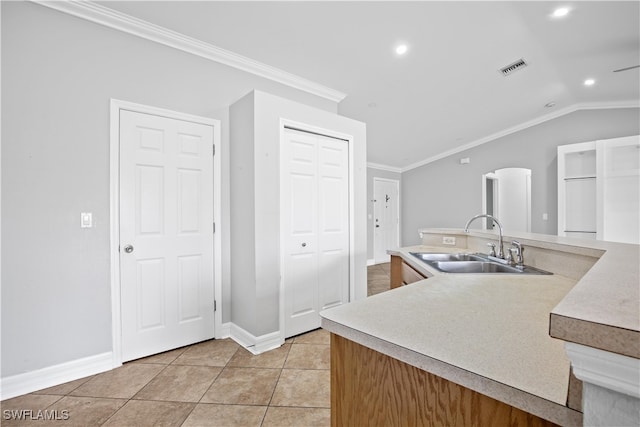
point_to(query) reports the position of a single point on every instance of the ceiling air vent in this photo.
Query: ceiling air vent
(512, 68)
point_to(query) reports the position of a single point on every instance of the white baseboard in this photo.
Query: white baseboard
(224, 331)
(268, 342)
(255, 345)
(17, 385)
(371, 262)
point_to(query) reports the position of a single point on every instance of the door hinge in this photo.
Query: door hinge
(214, 227)
(215, 305)
(214, 150)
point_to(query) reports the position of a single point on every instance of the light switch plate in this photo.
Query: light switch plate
(86, 220)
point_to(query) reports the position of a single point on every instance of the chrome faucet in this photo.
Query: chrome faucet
(491, 217)
(517, 249)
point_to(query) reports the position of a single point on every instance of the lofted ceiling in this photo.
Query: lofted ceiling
(446, 93)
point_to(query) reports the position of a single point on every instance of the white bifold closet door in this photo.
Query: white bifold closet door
(315, 227)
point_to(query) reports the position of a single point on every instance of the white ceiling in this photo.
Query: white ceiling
(446, 92)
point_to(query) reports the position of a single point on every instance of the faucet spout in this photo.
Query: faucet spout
(494, 219)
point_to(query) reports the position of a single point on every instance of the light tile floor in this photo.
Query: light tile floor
(378, 278)
(213, 383)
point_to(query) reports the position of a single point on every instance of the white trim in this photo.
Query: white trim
(371, 262)
(255, 345)
(268, 342)
(217, 236)
(605, 369)
(352, 245)
(114, 176)
(17, 385)
(128, 24)
(224, 331)
(538, 120)
(242, 337)
(384, 167)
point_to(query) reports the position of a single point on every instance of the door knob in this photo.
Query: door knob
(128, 249)
(304, 245)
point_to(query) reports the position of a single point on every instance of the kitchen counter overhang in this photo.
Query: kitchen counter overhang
(489, 333)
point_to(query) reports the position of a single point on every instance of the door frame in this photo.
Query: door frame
(349, 139)
(373, 190)
(116, 106)
(490, 176)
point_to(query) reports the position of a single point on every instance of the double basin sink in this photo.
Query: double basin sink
(472, 263)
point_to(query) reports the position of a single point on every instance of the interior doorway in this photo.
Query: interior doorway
(166, 258)
(506, 194)
(386, 221)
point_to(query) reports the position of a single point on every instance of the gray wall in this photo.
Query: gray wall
(377, 173)
(58, 75)
(242, 202)
(446, 194)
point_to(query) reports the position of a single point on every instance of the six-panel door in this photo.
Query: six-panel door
(166, 233)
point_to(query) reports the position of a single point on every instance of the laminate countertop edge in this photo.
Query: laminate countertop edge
(603, 309)
(528, 402)
(593, 302)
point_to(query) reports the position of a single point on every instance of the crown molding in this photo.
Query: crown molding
(128, 24)
(383, 167)
(538, 120)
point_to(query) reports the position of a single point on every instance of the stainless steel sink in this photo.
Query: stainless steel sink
(471, 263)
(427, 256)
(473, 267)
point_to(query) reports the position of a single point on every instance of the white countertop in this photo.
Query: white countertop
(491, 333)
(488, 331)
(494, 326)
(603, 309)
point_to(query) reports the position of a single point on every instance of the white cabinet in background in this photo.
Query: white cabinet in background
(599, 190)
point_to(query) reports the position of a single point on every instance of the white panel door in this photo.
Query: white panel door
(386, 211)
(315, 235)
(166, 233)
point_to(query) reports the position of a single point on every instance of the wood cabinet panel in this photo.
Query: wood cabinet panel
(402, 273)
(409, 275)
(369, 388)
(396, 271)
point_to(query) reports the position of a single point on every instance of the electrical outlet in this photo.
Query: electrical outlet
(448, 240)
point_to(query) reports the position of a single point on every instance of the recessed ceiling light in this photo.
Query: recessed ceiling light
(401, 49)
(589, 82)
(560, 12)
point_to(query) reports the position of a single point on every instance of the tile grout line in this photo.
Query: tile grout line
(164, 367)
(264, 417)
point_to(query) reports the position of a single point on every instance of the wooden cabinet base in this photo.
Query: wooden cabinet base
(396, 271)
(402, 273)
(371, 389)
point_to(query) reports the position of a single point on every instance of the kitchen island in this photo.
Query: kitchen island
(460, 349)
